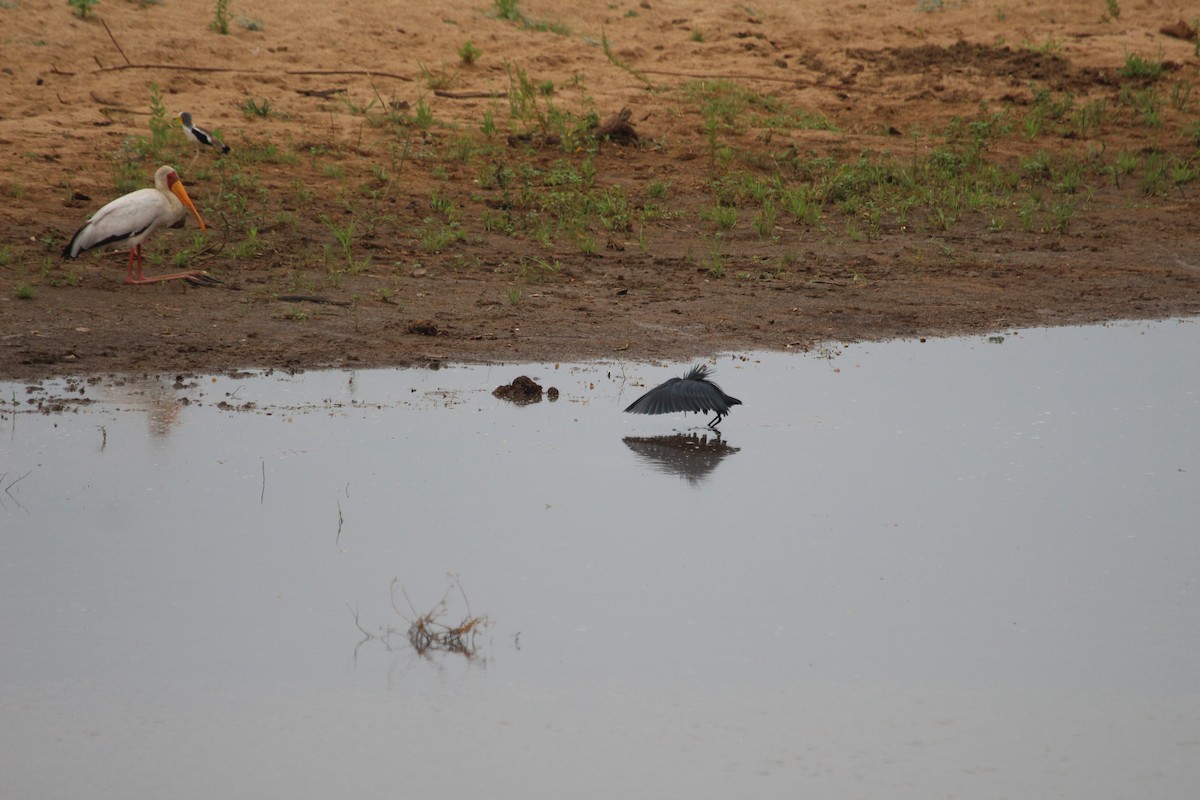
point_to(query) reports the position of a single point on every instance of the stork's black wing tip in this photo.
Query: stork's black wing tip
(70, 245)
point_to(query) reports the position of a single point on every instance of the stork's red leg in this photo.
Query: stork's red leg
(198, 277)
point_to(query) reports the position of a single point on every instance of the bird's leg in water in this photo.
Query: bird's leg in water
(715, 421)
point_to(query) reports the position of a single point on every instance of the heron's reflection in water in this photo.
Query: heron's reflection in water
(689, 455)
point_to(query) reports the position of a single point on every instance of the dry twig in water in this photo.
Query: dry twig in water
(427, 633)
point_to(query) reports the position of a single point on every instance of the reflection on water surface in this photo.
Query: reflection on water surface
(959, 568)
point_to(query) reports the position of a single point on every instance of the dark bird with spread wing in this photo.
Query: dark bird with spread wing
(693, 392)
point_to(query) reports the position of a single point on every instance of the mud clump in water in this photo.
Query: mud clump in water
(523, 390)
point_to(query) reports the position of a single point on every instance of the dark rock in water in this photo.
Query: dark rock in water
(521, 390)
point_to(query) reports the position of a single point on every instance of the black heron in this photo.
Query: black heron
(693, 392)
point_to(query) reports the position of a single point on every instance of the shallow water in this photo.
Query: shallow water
(958, 568)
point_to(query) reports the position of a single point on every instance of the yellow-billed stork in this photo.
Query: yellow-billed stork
(199, 136)
(128, 220)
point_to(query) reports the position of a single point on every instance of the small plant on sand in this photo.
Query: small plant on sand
(469, 53)
(764, 219)
(716, 263)
(1061, 213)
(437, 236)
(1050, 47)
(508, 10)
(24, 292)
(1125, 163)
(1155, 178)
(220, 22)
(531, 104)
(1027, 212)
(83, 7)
(488, 126)
(1088, 119)
(126, 173)
(1181, 91)
(437, 80)
(160, 126)
(1192, 133)
(1146, 102)
(802, 203)
(1138, 66)
(252, 108)
(248, 247)
(724, 217)
(523, 102)
(423, 116)
(345, 239)
(616, 62)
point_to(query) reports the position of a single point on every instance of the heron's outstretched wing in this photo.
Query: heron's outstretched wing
(699, 396)
(656, 401)
(680, 394)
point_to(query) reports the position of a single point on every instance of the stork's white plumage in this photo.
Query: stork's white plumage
(128, 220)
(199, 136)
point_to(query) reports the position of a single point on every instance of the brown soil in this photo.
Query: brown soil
(889, 76)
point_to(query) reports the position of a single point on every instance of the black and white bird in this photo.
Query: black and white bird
(200, 137)
(693, 392)
(131, 218)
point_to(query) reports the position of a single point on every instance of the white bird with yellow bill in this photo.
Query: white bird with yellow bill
(131, 218)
